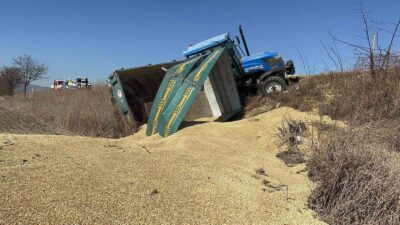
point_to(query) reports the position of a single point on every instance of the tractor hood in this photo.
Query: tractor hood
(257, 56)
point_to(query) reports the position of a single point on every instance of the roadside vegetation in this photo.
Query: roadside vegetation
(74, 112)
(356, 167)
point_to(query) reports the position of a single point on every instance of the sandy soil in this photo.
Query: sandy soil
(204, 174)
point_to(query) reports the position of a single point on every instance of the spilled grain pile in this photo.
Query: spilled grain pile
(205, 174)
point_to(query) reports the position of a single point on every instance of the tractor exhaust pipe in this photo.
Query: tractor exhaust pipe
(244, 40)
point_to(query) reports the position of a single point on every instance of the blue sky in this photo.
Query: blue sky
(93, 38)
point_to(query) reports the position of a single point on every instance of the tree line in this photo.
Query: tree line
(23, 71)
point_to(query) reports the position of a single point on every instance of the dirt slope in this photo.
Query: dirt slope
(204, 174)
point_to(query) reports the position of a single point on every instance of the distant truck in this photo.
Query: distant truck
(58, 84)
(70, 84)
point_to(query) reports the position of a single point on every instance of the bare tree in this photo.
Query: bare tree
(308, 70)
(386, 59)
(11, 77)
(366, 54)
(334, 56)
(371, 44)
(31, 70)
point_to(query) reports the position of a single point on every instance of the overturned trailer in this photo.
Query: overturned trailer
(204, 85)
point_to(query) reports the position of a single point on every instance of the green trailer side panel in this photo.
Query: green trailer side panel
(169, 86)
(119, 98)
(186, 95)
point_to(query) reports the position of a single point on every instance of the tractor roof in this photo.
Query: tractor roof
(194, 49)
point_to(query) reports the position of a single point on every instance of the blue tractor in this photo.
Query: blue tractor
(263, 73)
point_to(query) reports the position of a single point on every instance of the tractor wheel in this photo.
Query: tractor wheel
(272, 84)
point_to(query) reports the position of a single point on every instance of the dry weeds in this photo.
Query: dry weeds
(291, 132)
(18, 123)
(304, 96)
(72, 112)
(359, 98)
(358, 177)
(357, 168)
(353, 96)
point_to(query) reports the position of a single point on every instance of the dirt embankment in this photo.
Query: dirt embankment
(212, 173)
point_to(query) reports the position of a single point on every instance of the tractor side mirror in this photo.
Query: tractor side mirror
(237, 40)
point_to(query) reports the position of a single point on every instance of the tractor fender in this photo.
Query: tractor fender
(265, 75)
(268, 74)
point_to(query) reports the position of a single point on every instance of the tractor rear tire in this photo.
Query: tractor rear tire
(272, 84)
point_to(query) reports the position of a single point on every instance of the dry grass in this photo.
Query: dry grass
(358, 177)
(73, 112)
(357, 169)
(304, 96)
(359, 98)
(291, 132)
(354, 96)
(18, 123)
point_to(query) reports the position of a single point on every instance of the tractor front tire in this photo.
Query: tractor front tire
(272, 84)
